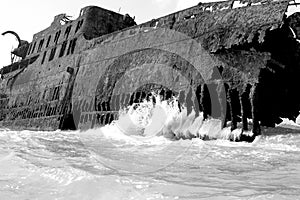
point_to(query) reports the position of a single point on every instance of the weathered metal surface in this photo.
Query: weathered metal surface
(218, 25)
(84, 71)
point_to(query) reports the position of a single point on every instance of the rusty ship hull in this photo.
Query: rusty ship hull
(231, 63)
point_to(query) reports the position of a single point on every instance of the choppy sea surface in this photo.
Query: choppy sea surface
(58, 165)
(105, 163)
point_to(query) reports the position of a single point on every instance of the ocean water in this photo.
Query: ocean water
(111, 163)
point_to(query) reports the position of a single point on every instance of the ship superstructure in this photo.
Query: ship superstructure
(36, 91)
(231, 60)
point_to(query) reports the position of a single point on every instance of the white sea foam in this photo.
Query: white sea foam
(288, 122)
(150, 119)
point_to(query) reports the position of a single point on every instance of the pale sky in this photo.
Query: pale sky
(27, 17)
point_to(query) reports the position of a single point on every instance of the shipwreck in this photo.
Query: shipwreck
(231, 60)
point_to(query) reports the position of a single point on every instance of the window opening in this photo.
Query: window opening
(79, 24)
(40, 45)
(56, 93)
(63, 48)
(71, 47)
(52, 54)
(44, 56)
(56, 37)
(48, 42)
(29, 49)
(33, 47)
(67, 32)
